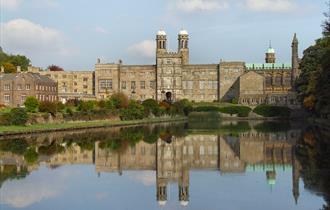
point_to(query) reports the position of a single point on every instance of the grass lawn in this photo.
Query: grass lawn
(80, 124)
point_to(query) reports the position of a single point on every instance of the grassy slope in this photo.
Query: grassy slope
(85, 124)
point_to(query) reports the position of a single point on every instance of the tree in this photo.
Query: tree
(132, 112)
(20, 60)
(31, 104)
(48, 107)
(86, 106)
(119, 100)
(55, 68)
(14, 60)
(326, 24)
(151, 107)
(9, 68)
(18, 116)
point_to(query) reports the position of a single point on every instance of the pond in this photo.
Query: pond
(218, 165)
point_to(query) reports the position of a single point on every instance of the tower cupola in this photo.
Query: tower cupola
(270, 54)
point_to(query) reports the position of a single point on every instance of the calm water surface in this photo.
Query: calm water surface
(233, 166)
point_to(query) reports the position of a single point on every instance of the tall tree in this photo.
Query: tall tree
(326, 24)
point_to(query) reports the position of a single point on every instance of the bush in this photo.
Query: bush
(60, 106)
(132, 112)
(31, 104)
(272, 111)
(151, 107)
(18, 116)
(48, 107)
(207, 109)
(119, 100)
(186, 106)
(241, 111)
(86, 106)
(5, 119)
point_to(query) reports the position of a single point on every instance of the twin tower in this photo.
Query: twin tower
(183, 47)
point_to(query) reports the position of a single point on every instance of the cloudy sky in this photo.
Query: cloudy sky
(74, 33)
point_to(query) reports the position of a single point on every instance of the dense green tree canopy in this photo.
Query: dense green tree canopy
(10, 62)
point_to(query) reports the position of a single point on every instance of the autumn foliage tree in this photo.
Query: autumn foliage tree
(55, 68)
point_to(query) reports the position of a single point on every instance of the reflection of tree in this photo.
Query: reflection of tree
(16, 146)
(10, 172)
(314, 154)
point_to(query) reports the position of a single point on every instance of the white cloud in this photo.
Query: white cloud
(101, 30)
(200, 5)
(10, 4)
(25, 37)
(26, 192)
(146, 48)
(271, 5)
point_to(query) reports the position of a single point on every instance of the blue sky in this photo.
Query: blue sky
(74, 33)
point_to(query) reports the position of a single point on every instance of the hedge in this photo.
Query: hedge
(272, 111)
(241, 111)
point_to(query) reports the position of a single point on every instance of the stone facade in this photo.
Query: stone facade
(16, 87)
(172, 78)
(72, 84)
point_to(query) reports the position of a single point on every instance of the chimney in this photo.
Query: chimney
(2, 69)
(19, 69)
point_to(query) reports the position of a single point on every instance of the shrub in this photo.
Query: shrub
(186, 106)
(132, 112)
(119, 100)
(60, 106)
(72, 102)
(86, 106)
(31, 104)
(151, 107)
(241, 111)
(272, 111)
(5, 119)
(207, 109)
(18, 116)
(101, 104)
(48, 107)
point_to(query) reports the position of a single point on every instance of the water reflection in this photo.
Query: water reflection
(172, 151)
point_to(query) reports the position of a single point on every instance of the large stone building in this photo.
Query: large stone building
(173, 78)
(15, 87)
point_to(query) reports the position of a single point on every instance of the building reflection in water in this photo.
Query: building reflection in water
(173, 157)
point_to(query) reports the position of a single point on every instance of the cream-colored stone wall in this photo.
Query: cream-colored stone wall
(200, 82)
(228, 76)
(73, 84)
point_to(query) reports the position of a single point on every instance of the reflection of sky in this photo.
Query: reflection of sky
(79, 187)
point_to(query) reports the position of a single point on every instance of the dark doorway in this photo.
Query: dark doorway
(168, 96)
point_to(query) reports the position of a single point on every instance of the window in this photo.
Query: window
(143, 85)
(19, 87)
(85, 79)
(123, 85)
(133, 85)
(75, 76)
(75, 90)
(64, 76)
(27, 87)
(75, 83)
(105, 84)
(7, 98)
(7, 86)
(152, 84)
(23, 97)
(85, 86)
